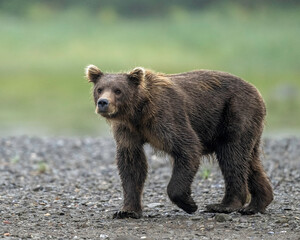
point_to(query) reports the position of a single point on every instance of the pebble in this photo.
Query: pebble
(209, 227)
(127, 237)
(77, 197)
(37, 188)
(103, 236)
(282, 220)
(196, 218)
(221, 217)
(243, 220)
(154, 205)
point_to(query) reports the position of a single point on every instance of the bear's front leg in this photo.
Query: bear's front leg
(186, 156)
(132, 165)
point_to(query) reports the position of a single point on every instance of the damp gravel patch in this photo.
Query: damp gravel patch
(69, 188)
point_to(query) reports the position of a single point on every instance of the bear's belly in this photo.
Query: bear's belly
(155, 141)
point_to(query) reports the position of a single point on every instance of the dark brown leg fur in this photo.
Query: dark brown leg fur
(185, 167)
(233, 162)
(132, 167)
(259, 186)
(179, 188)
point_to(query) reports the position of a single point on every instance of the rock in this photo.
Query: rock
(209, 227)
(196, 218)
(221, 217)
(104, 236)
(37, 188)
(126, 238)
(82, 190)
(154, 205)
(282, 220)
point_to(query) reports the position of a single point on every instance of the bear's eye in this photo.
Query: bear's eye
(118, 91)
(99, 90)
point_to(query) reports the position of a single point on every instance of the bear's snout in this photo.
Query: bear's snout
(103, 104)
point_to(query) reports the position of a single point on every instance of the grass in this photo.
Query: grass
(42, 60)
(205, 173)
(42, 167)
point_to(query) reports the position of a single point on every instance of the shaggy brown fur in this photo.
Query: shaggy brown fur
(187, 116)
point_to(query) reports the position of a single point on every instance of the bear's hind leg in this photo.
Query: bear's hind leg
(233, 161)
(259, 186)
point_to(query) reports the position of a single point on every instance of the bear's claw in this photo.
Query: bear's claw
(188, 207)
(250, 210)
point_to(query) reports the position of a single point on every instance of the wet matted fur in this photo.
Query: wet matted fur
(187, 116)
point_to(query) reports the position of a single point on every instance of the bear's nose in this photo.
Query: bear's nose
(102, 104)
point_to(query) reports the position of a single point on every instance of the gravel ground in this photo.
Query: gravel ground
(68, 188)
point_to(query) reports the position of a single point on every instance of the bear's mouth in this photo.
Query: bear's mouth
(106, 114)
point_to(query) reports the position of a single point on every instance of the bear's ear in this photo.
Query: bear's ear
(137, 75)
(92, 73)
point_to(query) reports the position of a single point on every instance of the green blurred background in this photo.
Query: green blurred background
(45, 46)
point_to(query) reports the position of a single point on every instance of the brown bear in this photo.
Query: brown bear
(186, 115)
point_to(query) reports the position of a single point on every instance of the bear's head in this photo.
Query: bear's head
(116, 95)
